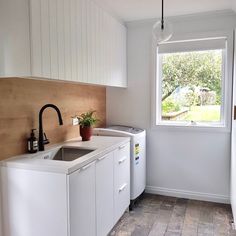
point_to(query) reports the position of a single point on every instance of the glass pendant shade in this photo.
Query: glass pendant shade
(162, 34)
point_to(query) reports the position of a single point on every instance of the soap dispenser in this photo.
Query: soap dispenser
(32, 142)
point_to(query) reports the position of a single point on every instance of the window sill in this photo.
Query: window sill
(219, 128)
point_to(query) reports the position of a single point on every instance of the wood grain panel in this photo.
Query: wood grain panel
(21, 100)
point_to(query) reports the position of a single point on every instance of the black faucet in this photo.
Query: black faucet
(41, 133)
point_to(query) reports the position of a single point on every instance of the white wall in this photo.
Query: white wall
(192, 164)
(233, 149)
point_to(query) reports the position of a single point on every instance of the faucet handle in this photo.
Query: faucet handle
(45, 139)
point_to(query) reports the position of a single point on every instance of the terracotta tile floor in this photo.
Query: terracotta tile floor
(156, 215)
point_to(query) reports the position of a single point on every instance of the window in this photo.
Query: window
(191, 82)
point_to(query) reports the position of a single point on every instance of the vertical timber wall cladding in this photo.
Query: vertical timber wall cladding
(21, 100)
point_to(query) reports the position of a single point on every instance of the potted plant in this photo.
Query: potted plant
(86, 121)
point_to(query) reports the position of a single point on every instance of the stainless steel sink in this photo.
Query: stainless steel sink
(70, 154)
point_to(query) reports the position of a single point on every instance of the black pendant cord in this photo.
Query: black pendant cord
(162, 15)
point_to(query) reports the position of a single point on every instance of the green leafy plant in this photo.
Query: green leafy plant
(87, 119)
(169, 106)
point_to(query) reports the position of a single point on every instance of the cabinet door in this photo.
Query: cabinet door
(36, 45)
(14, 38)
(121, 180)
(34, 203)
(78, 41)
(117, 57)
(82, 201)
(110, 51)
(104, 194)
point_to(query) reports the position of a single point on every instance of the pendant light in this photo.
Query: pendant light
(162, 30)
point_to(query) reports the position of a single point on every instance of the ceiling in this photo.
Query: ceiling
(129, 10)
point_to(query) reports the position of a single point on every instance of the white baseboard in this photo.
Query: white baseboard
(188, 194)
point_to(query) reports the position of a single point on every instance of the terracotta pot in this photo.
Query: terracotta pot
(85, 132)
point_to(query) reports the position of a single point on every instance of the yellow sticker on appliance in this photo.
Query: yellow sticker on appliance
(137, 149)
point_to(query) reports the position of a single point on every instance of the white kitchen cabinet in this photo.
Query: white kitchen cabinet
(104, 194)
(82, 201)
(121, 180)
(86, 202)
(41, 203)
(77, 41)
(14, 38)
(72, 40)
(34, 203)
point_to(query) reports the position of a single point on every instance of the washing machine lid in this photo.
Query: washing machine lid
(127, 129)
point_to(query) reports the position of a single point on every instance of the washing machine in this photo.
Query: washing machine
(137, 155)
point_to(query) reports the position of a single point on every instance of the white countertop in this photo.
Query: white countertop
(101, 145)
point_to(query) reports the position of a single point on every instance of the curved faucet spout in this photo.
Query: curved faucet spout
(41, 133)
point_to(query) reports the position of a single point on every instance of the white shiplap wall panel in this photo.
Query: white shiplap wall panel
(118, 56)
(67, 33)
(53, 39)
(61, 39)
(100, 42)
(93, 43)
(76, 40)
(84, 41)
(124, 78)
(89, 40)
(45, 39)
(114, 49)
(115, 56)
(103, 48)
(73, 25)
(36, 45)
(14, 38)
(97, 43)
(109, 48)
(79, 43)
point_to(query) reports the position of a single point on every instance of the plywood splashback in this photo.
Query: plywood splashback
(21, 100)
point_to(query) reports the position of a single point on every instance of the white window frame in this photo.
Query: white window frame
(226, 109)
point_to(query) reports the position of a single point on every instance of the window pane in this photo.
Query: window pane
(191, 86)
